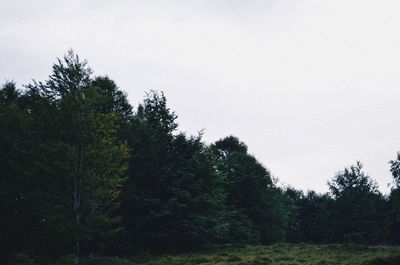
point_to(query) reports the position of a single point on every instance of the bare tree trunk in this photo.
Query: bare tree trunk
(77, 199)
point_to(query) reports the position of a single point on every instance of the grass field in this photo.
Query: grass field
(288, 254)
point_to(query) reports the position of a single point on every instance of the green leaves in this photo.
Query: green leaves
(80, 169)
(255, 208)
(395, 169)
(357, 207)
(171, 200)
(71, 165)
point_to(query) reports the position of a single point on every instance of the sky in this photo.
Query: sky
(310, 86)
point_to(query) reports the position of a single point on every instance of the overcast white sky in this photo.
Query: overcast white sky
(310, 86)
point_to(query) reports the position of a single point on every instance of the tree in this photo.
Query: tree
(395, 169)
(92, 162)
(14, 161)
(357, 208)
(393, 224)
(112, 100)
(352, 180)
(394, 202)
(311, 219)
(171, 198)
(255, 207)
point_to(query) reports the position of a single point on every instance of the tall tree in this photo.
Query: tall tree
(94, 161)
(14, 133)
(256, 207)
(395, 170)
(394, 202)
(111, 98)
(171, 198)
(311, 219)
(358, 206)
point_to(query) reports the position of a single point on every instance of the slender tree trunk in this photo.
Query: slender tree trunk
(77, 199)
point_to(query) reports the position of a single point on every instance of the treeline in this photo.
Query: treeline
(84, 173)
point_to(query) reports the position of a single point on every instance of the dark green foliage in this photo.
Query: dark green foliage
(254, 205)
(172, 198)
(393, 226)
(394, 203)
(82, 174)
(63, 164)
(93, 162)
(15, 160)
(111, 99)
(358, 209)
(352, 180)
(395, 169)
(311, 220)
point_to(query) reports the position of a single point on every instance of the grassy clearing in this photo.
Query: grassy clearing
(282, 254)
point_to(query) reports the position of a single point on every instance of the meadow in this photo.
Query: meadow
(277, 254)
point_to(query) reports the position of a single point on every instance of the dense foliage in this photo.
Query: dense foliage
(83, 173)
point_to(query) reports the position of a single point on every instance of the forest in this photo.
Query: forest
(83, 173)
